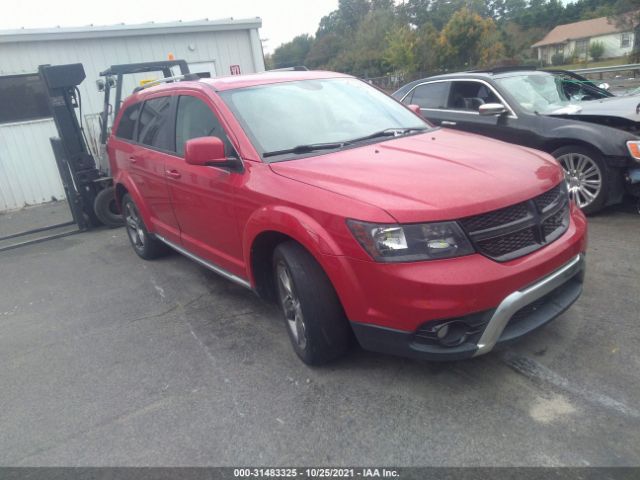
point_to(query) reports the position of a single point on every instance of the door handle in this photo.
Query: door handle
(173, 174)
(449, 123)
(133, 159)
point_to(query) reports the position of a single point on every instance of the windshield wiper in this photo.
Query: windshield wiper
(312, 147)
(388, 132)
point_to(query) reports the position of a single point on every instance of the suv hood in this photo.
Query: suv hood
(439, 175)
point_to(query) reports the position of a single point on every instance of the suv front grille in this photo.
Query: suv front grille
(520, 229)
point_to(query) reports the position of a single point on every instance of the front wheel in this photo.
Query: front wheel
(314, 318)
(586, 175)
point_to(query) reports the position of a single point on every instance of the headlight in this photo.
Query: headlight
(409, 243)
(634, 148)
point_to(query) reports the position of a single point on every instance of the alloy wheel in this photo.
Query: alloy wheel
(134, 226)
(291, 305)
(583, 177)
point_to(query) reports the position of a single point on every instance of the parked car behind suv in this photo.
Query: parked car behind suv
(593, 134)
(357, 216)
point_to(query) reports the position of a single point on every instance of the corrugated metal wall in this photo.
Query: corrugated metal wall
(28, 171)
(224, 48)
(27, 167)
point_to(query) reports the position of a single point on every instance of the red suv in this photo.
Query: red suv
(357, 216)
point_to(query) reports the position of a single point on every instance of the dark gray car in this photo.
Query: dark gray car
(595, 136)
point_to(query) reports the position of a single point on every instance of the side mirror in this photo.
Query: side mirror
(492, 109)
(209, 152)
(415, 109)
(204, 151)
(604, 86)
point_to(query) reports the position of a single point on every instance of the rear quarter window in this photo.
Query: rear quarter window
(154, 126)
(127, 125)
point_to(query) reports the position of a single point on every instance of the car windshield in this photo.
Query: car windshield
(540, 93)
(284, 116)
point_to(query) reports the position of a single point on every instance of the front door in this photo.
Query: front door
(203, 197)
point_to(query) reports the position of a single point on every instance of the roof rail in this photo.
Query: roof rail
(512, 68)
(186, 76)
(296, 68)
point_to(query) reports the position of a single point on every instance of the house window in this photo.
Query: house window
(581, 47)
(22, 97)
(625, 40)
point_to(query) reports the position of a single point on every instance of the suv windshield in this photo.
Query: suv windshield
(542, 93)
(296, 117)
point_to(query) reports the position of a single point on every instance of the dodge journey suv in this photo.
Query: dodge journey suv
(353, 213)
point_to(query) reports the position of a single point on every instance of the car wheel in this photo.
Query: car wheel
(106, 209)
(143, 243)
(316, 323)
(586, 175)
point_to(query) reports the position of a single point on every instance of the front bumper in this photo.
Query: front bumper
(519, 313)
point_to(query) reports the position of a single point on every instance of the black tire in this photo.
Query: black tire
(325, 329)
(577, 192)
(145, 244)
(106, 208)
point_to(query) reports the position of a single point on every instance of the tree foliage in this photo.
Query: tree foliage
(378, 37)
(469, 40)
(292, 53)
(596, 50)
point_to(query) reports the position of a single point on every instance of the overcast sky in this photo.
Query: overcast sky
(281, 19)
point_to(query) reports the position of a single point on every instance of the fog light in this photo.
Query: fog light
(452, 334)
(442, 331)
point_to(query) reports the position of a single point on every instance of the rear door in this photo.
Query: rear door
(154, 146)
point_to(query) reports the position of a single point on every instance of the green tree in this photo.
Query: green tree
(596, 50)
(367, 52)
(468, 40)
(324, 52)
(401, 49)
(292, 53)
(426, 50)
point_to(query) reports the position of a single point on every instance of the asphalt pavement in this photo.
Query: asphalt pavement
(108, 360)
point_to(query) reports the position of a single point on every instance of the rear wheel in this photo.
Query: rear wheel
(143, 243)
(586, 175)
(316, 323)
(106, 209)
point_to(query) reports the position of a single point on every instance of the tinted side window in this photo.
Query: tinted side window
(127, 125)
(431, 95)
(154, 122)
(470, 95)
(195, 119)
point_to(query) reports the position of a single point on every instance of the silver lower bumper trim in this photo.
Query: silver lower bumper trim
(521, 298)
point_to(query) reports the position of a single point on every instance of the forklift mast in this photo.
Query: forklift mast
(89, 189)
(76, 164)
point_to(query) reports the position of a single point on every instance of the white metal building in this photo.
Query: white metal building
(28, 173)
